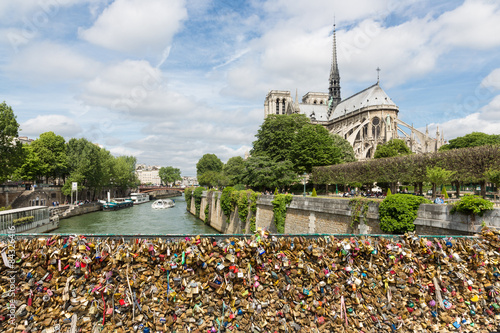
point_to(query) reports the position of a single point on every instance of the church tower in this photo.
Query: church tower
(334, 87)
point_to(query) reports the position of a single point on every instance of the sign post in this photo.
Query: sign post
(74, 188)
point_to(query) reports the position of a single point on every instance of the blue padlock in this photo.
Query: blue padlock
(457, 325)
(146, 330)
(434, 314)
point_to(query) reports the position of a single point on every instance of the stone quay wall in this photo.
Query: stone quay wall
(333, 216)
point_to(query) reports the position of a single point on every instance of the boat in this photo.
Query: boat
(139, 198)
(163, 203)
(118, 203)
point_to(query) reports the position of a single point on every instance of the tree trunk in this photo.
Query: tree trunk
(434, 187)
(457, 190)
(483, 188)
(326, 189)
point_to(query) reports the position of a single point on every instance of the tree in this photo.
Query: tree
(208, 162)
(313, 146)
(263, 172)
(346, 150)
(123, 172)
(275, 136)
(11, 151)
(473, 139)
(493, 176)
(169, 174)
(438, 176)
(209, 170)
(394, 147)
(213, 179)
(234, 169)
(47, 155)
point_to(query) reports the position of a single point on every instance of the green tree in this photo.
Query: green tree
(49, 152)
(209, 170)
(438, 176)
(234, 169)
(394, 147)
(123, 172)
(11, 151)
(275, 136)
(493, 176)
(346, 150)
(208, 162)
(169, 174)
(263, 172)
(313, 146)
(473, 139)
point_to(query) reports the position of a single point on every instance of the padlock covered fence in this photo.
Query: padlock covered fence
(250, 283)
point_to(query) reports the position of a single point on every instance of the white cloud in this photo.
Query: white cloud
(59, 124)
(139, 27)
(492, 80)
(471, 25)
(48, 62)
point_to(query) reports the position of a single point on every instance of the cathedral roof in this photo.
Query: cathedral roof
(371, 96)
(317, 112)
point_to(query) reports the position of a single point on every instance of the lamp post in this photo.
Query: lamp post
(304, 183)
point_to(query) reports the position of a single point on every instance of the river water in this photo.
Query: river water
(140, 219)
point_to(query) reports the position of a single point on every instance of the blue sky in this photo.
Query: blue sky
(170, 80)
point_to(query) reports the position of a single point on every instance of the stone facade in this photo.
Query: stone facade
(333, 216)
(365, 119)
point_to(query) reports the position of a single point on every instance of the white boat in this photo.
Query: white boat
(163, 203)
(139, 198)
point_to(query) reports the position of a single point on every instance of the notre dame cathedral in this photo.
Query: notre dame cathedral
(365, 119)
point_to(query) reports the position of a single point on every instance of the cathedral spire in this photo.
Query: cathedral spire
(334, 81)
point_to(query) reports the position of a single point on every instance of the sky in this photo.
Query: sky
(168, 81)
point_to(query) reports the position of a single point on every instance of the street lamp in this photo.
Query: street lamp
(304, 183)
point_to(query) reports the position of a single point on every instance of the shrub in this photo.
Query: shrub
(472, 205)
(5, 208)
(276, 192)
(23, 220)
(445, 193)
(197, 199)
(207, 211)
(225, 201)
(314, 194)
(389, 192)
(280, 203)
(243, 205)
(239, 187)
(398, 211)
(188, 193)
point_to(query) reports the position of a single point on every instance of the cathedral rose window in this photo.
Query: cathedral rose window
(375, 121)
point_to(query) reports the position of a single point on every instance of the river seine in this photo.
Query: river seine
(140, 219)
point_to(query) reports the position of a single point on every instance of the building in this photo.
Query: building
(148, 174)
(365, 119)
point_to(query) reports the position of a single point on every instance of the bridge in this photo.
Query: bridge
(149, 188)
(159, 192)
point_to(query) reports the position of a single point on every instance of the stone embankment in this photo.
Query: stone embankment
(334, 216)
(262, 283)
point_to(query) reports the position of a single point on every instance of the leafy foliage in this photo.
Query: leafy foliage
(313, 146)
(234, 170)
(209, 171)
(280, 203)
(445, 193)
(207, 212)
(472, 205)
(469, 164)
(394, 147)
(346, 150)
(242, 204)
(262, 172)
(389, 192)
(275, 136)
(11, 151)
(188, 193)
(438, 176)
(359, 208)
(398, 211)
(473, 139)
(225, 201)
(169, 174)
(197, 193)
